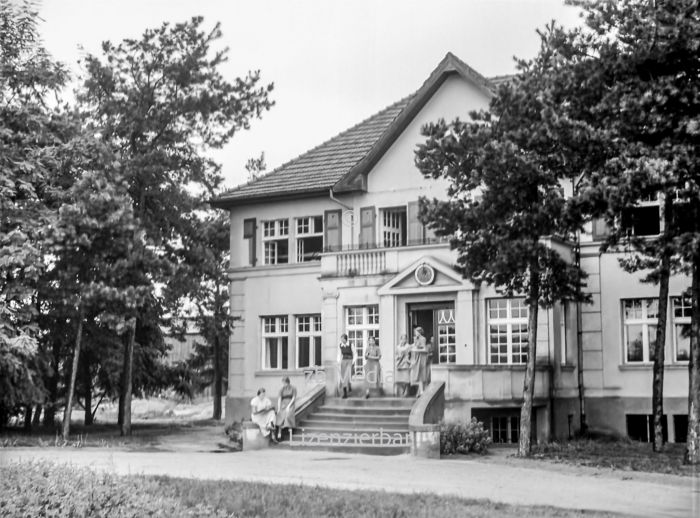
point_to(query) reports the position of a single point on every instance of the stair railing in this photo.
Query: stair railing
(424, 421)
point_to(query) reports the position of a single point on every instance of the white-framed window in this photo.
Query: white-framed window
(393, 226)
(447, 337)
(681, 328)
(644, 219)
(308, 341)
(361, 322)
(640, 317)
(275, 238)
(507, 331)
(275, 342)
(309, 238)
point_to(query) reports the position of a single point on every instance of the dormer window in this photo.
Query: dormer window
(275, 241)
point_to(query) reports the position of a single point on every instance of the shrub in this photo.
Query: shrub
(464, 438)
(45, 489)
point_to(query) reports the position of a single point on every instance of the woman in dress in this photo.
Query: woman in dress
(373, 371)
(285, 406)
(262, 413)
(419, 353)
(346, 359)
(403, 364)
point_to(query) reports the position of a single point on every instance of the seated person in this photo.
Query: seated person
(262, 413)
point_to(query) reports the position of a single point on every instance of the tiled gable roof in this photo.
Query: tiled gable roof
(342, 162)
(319, 169)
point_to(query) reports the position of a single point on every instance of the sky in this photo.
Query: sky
(333, 62)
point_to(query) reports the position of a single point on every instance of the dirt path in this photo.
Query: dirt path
(572, 488)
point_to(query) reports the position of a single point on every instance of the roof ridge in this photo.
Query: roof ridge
(281, 167)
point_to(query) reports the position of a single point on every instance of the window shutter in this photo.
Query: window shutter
(332, 230)
(416, 231)
(368, 228)
(249, 233)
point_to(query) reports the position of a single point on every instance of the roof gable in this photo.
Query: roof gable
(342, 163)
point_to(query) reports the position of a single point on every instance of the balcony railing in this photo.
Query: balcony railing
(380, 246)
(369, 262)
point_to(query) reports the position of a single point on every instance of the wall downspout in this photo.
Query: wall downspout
(579, 330)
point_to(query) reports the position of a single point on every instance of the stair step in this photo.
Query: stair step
(340, 416)
(370, 410)
(345, 427)
(374, 402)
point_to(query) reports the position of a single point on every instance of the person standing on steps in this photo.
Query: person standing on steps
(419, 354)
(403, 366)
(285, 406)
(373, 371)
(346, 359)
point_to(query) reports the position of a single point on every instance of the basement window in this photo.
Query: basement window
(640, 427)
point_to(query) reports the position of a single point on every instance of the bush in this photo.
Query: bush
(45, 489)
(464, 438)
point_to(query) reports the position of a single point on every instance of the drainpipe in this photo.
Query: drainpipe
(347, 207)
(579, 330)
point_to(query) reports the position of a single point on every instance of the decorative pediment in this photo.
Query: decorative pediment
(425, 275)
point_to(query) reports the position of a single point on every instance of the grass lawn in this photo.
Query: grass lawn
(44, 489)
(617, 454)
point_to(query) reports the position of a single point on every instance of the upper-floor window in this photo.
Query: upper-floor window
(309, 341)
(275, 237)
(640, 317)
(275, 342)
(681, 328)
(309, 238)
(507, 325)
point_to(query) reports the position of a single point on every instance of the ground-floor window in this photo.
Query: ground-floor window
(361, 323)
(505, 429)
(447, 343)
(640, 427)
(681, 328)
(640, 317)
(507, 331)
(680, 427)
(308, 341)
(275, 346)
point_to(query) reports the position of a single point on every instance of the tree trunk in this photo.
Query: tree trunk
(692, 446)
(50, 411)
(122, 382)
(657, 397)
(217, 374)
(128, 374)
(36, 422)
(87, 380)
(529, 384)
(28, 420)
(73, 375)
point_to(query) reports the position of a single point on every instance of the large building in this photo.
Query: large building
(331, 243)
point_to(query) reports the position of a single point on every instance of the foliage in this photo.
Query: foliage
(469, 437)
(39, 489)
(616, 454)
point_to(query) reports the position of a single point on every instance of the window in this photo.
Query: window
(275, 241)
(640, 427)
(361, 322)
(275, 342)
(447, 343)
(393, 227)
(680, 427)
(507, 324)
(681, 328)
(644, 219)
(249, 228)
(308, 341)
(639, 329)
(505, 429)
(309, 238)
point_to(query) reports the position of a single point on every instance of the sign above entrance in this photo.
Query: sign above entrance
(424, 274)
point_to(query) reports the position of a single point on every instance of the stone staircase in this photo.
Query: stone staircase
(375, 426)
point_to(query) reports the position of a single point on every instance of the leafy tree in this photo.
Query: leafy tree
(34, 134)
(161, 102)
(642, 64)
(506, 203)
(201, 282)
(256, 166)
